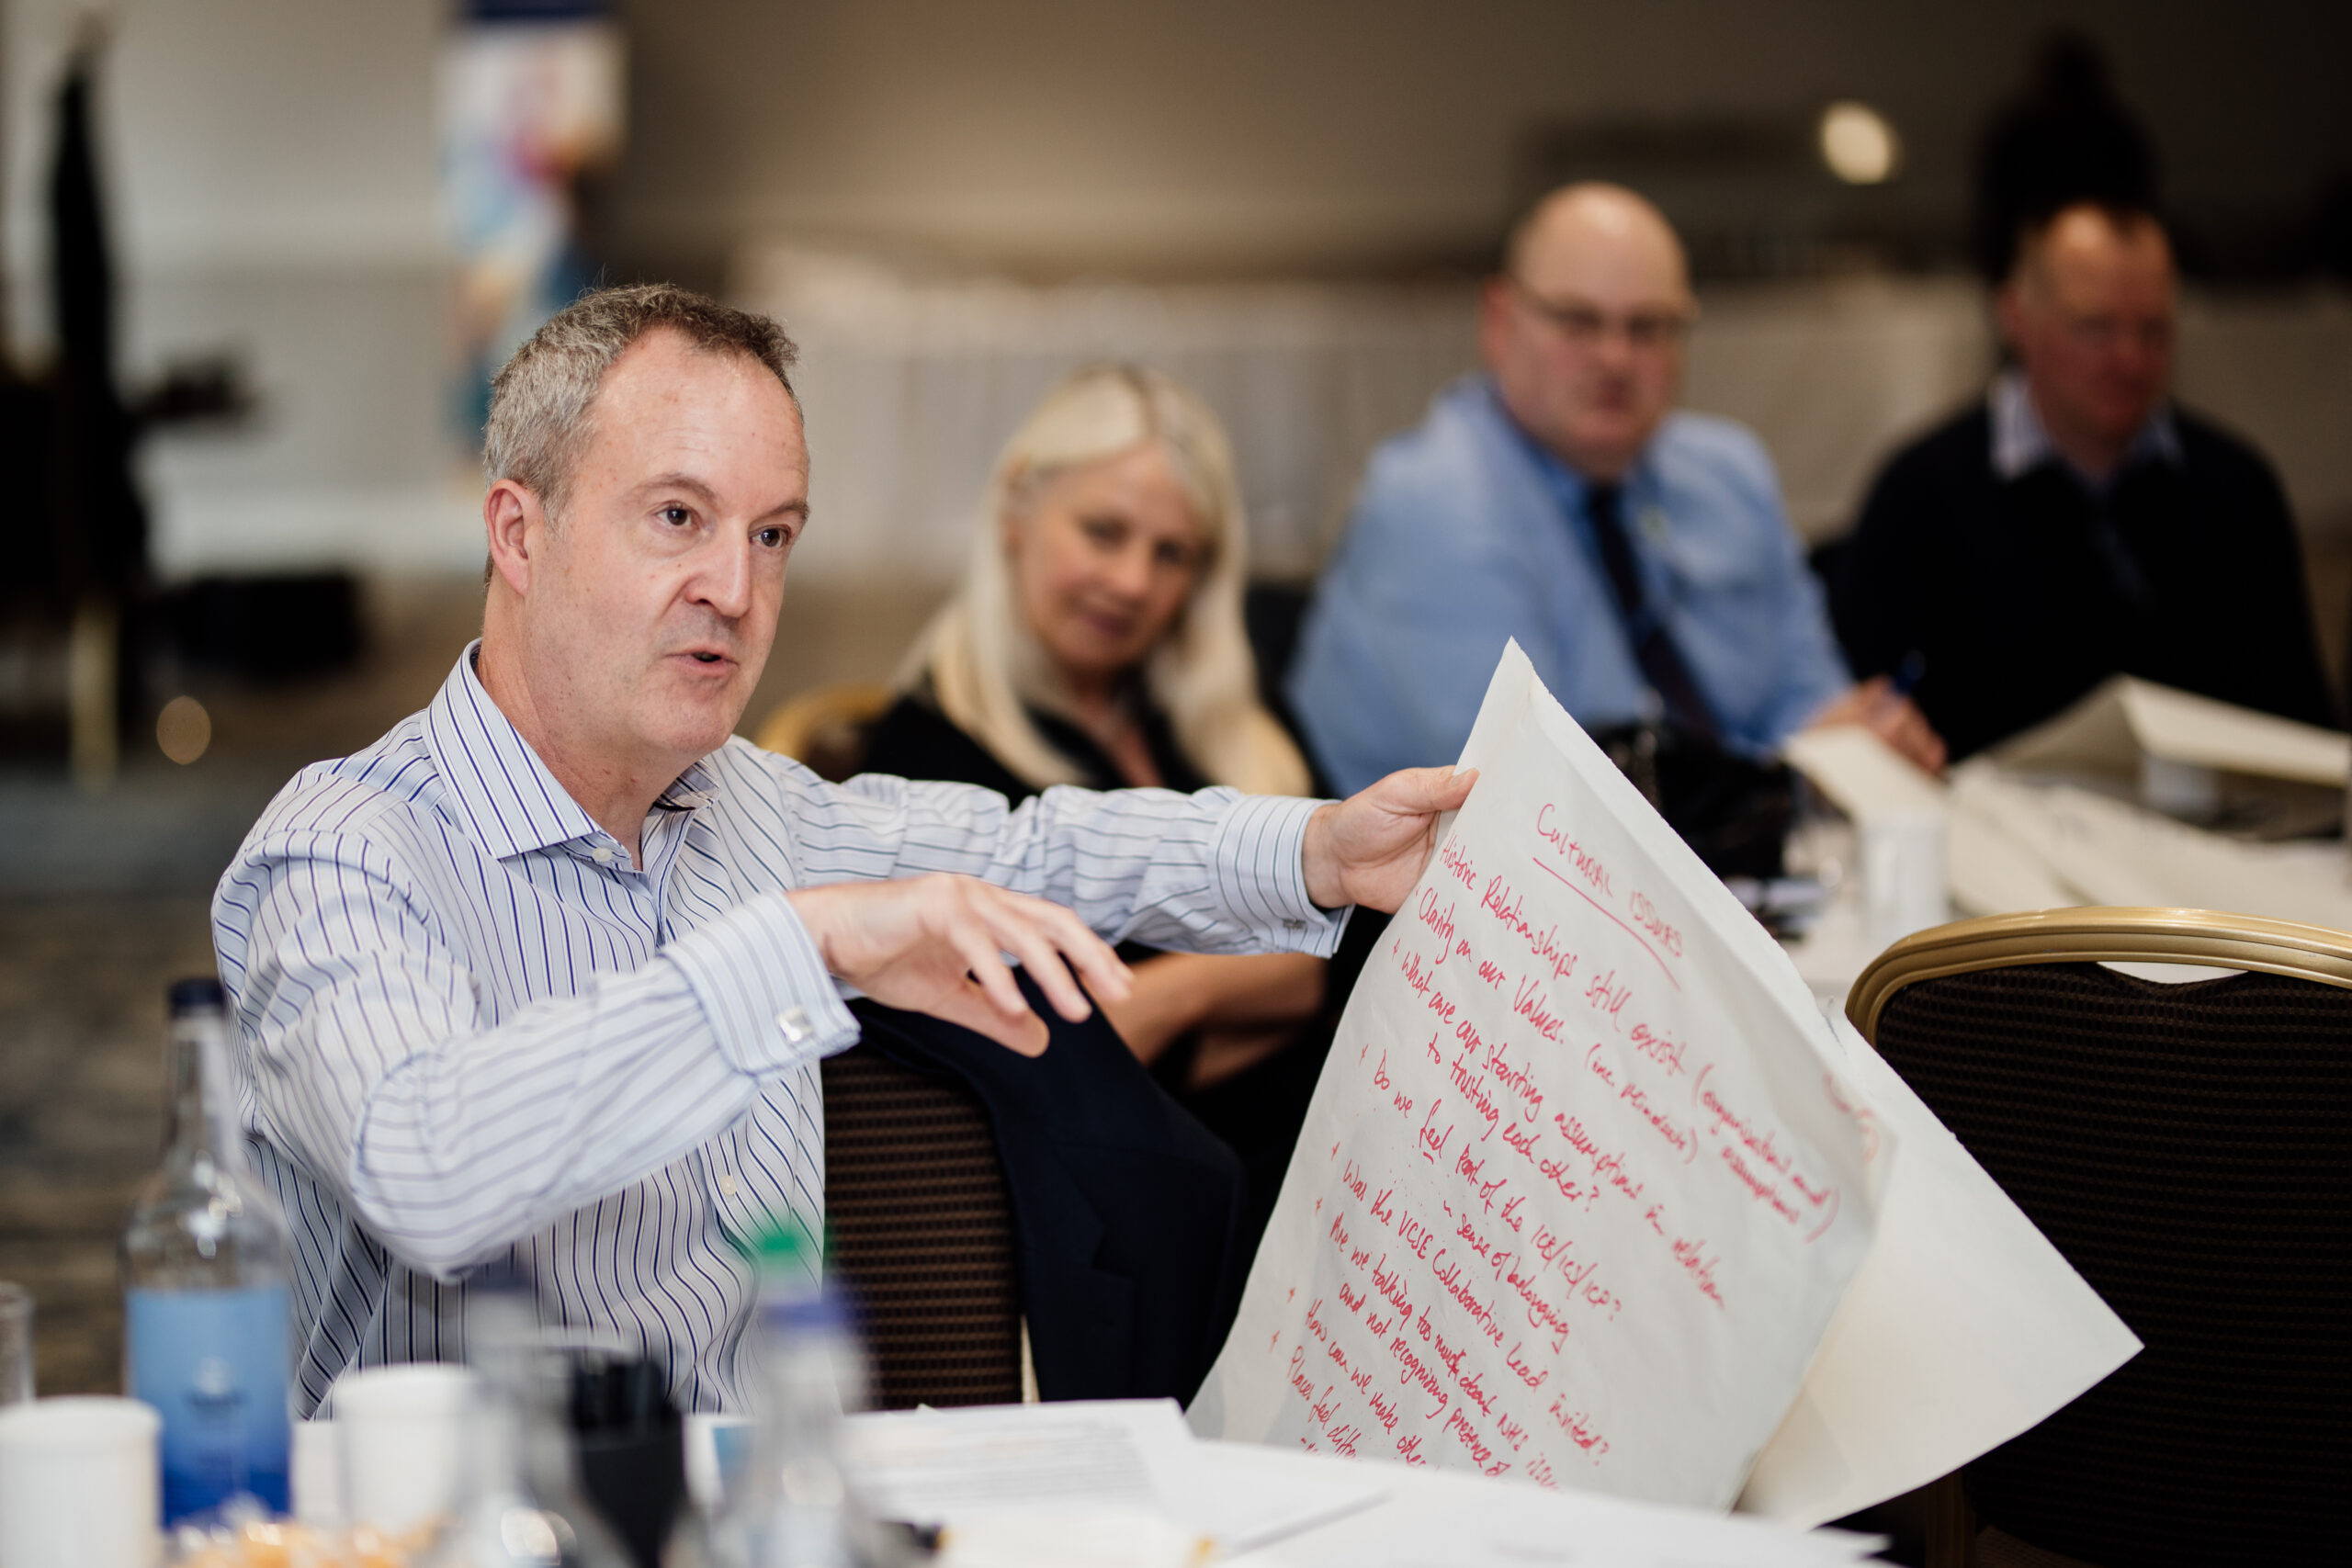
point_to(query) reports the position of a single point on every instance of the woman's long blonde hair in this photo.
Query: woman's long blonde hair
(983, 662)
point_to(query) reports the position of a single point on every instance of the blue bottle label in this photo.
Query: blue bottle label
(215, 1363)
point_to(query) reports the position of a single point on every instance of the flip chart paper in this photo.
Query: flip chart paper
(1964, 1328)
(1579, 1189)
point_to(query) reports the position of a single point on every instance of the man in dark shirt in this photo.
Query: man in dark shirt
(2076, 524)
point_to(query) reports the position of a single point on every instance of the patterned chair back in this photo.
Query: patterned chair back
(2185, 1147)
(915, 1200)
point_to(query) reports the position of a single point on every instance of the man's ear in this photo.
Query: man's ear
(1495, 322)
(516, 525)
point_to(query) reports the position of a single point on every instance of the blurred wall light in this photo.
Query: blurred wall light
(184, 729)
(1858, 144)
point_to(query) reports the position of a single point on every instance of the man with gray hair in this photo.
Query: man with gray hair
(541, 979)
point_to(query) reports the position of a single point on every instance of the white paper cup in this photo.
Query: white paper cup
(316, 1478)
(1905, 881)
(401, 1431)
(80, 1483)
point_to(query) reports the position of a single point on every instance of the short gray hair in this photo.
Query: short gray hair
(539, 403)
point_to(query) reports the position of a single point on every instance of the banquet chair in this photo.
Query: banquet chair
(2184, 1145)
(825, 729)
(922, 1228)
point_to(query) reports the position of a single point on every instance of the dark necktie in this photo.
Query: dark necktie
(1654, 650)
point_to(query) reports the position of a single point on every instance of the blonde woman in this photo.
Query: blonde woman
(1097, 640)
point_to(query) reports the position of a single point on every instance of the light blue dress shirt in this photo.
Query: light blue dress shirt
(471, 1033)
(1467, 535)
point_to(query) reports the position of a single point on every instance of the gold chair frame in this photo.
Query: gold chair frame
(2102, 935)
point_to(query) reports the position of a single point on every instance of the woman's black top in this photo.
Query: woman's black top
(914, 741)
(1258, 1111)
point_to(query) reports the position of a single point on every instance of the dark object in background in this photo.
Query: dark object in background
(265, 628)
(104, 527)
(2067, 138)
(1733, 811)
(632, 1451)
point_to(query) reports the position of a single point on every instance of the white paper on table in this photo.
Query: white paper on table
(1086, 1458)
(2125, 718)
(1964, 1328)
(1861, 774)
(1580, 1189)
(932, 1467)
(1448, 1520)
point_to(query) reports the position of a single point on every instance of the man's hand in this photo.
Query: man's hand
(1895, 720)
(935, 945)
(1368, 849)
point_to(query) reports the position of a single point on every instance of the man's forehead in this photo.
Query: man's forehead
(2090, 251)
(665, 399)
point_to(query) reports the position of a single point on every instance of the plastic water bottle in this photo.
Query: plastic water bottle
(791, 1506)
(206, 1332)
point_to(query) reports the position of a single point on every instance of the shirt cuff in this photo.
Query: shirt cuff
(1258, 859)
(763, 985)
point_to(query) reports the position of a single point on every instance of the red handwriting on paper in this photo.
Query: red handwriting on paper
(1412, 1369)
(1529, 1000)
(1436, 914)
(1458, 1426)
(1549, 820)
(1578, 1428)
(1473, 1086)
(1648, 944)
(1606, 996)
(1432, 1139)
(1659, 1047)
(1647, 916)
(1481, 1314)
(1500, 901)
(1608, 1166)
(1466, 1272)
(1697, 1268)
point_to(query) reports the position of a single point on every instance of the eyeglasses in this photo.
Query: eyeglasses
(1585, 325)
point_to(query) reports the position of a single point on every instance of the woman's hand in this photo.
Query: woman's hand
(1175, 993)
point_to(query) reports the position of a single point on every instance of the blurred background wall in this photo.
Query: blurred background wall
(272, 174)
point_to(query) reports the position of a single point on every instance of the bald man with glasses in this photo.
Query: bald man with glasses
(1640, 555)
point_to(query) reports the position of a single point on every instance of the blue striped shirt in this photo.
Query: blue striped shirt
(471, 1033)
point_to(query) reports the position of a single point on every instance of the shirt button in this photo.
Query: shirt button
(603, 856)
(727, 1184)
(797, 1030)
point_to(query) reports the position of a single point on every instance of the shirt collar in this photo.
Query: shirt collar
(2021, 442)
(510, 803)
(1565, 481)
